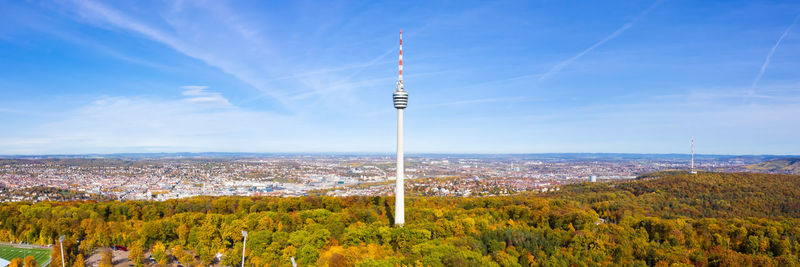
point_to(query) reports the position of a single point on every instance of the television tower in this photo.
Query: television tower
(693, 171)
(400, 97)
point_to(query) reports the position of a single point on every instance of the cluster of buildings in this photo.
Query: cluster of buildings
(296, 175)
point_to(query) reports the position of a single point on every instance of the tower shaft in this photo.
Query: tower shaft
(399, 201)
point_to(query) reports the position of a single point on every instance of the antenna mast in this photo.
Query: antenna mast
(400, 65)
(693, 171)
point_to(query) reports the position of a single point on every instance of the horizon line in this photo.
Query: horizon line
(378, 153)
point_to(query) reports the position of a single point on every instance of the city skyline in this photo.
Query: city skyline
(83, 77)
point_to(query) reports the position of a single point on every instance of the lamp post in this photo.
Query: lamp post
(244, 245)
(61, 241)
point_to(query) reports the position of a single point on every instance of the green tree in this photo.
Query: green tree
(233, 256)
(307, 255)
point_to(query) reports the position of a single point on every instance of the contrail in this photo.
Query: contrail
(769, 56)
(555, 69)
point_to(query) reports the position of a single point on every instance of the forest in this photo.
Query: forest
(660, 219)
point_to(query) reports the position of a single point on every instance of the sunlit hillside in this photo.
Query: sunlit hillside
(788, 165)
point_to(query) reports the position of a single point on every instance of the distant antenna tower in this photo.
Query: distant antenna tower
(400, 97)
(693, 171)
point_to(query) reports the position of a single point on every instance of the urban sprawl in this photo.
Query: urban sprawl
(178, 177)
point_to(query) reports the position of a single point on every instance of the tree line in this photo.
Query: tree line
(663, 221)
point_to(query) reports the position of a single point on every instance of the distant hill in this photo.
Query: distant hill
(786, 165)
(702, 195)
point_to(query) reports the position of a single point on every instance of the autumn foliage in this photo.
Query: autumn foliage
(667, 219)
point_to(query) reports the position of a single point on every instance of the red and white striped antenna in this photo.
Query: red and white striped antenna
(400, 74)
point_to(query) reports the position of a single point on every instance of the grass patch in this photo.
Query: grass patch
(40, 254)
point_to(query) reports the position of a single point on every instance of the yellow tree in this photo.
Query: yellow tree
(79, 261)
(178, 252)
(188, 259)
(106, 259)
(160, 253)
(184, 257)
(55, 254)
(30, 261)
(135, 253)
(183, 234)
(16, 262)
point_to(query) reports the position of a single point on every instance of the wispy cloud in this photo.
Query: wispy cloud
(199, 95)
(769, 56)
(358, 67)
(147, 123)
(479, 101)
(232, 43)
(561, 65)
(187, 46)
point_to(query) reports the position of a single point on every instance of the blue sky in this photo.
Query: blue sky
(483, 77)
